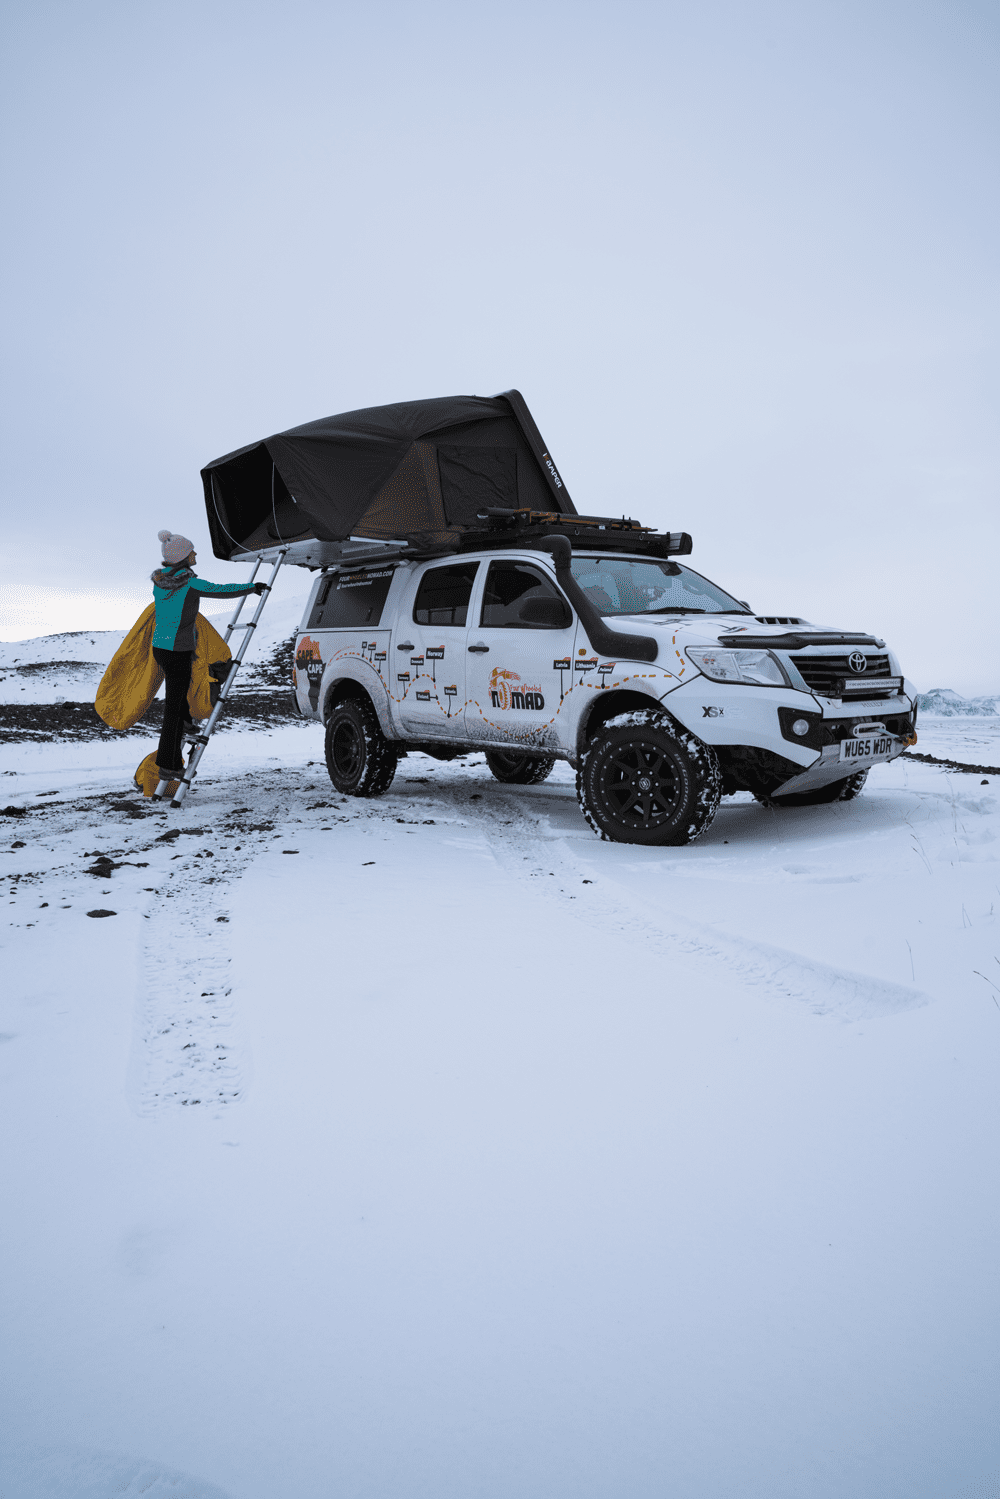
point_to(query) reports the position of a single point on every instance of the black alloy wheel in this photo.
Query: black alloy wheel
(360, 759)
(644, 779)
(518, 768)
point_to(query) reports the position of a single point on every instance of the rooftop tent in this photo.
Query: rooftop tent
(420, 471)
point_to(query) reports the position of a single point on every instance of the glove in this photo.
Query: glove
(259, 588)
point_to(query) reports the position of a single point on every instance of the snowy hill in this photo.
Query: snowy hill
(943, 702)
(68, 667)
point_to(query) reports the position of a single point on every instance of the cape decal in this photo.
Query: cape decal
(309, 658)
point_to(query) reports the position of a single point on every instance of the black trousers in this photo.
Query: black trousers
(176, 667)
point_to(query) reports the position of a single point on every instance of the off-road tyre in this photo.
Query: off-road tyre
(837, 791)
(685, 783)
(360, 759)
(518, 768)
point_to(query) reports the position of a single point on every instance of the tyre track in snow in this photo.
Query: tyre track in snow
(518, 830)
(188, 1051)
(188, 1047)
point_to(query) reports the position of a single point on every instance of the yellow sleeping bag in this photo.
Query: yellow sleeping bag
(133, 678)
(147, 778)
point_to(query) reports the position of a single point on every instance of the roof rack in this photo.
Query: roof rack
(499, 528)
(602, 532)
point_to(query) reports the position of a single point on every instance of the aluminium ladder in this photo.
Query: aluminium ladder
(201, 738)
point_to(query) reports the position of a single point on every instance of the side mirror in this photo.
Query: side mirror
(550, 613)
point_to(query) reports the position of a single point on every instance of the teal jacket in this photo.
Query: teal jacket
(176, 593)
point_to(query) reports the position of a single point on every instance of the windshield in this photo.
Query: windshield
(630, 585)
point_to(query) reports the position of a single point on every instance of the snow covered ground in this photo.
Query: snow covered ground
(431, 1147)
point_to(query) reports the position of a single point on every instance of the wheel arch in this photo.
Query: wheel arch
(338, 688)
(608, 705)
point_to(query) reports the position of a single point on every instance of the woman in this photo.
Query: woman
(176, 593)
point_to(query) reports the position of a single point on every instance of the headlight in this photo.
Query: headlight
(754, 668)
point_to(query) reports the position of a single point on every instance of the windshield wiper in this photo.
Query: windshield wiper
(677, 609)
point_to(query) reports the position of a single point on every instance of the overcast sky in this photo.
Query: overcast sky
(741, 259)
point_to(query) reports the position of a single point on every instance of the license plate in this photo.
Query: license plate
(867, 748)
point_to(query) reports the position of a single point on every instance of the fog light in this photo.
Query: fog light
(800, 726)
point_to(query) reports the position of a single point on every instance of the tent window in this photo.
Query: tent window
(444, 594)
(351, 599)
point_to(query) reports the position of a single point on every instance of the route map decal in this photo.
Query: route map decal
(508, 693)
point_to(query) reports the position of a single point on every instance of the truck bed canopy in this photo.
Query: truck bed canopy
(418, 471)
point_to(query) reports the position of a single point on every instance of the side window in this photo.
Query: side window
(444, 594)
(346, 600)
(508, 585)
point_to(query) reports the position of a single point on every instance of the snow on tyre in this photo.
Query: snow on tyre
(360, 759)
(644, 780)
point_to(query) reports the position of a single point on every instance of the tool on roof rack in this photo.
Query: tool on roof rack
(499, 518)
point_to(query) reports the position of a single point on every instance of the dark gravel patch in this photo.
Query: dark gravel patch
(986, 770)
(43, 721)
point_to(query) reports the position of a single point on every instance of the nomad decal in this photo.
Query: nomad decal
(503, 694)
(309, 658)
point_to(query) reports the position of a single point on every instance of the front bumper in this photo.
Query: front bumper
(744, 726)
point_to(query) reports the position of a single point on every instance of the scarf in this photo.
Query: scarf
(170, 578)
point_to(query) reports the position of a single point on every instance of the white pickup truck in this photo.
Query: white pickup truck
(574, 641)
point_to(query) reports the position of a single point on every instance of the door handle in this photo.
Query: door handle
(478, 649)
(407, 645)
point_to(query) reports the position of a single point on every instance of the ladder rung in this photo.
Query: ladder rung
(201, 740)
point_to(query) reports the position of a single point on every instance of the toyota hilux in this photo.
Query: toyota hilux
(544, 639)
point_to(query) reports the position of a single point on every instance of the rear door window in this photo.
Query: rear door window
(346, 600)
(444, 593)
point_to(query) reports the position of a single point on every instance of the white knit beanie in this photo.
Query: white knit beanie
(175, 546)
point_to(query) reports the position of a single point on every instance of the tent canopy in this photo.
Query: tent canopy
(419, 471)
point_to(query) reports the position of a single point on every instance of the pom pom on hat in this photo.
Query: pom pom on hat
(174, 546)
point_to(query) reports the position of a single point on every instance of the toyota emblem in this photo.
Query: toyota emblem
(857, 662)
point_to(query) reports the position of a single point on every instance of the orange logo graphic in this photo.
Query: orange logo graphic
(307, 650)
(499, 690)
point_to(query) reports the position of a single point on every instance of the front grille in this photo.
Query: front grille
(823, 673)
